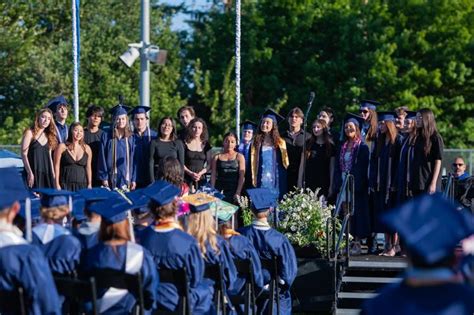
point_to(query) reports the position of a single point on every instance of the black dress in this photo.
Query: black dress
(318, 168)
(73, 173)
(294, 147)
(160, 149)
(227, 178)
(195, 161)
(93, 140)
(40, 162)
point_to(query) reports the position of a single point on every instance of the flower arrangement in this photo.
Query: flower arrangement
(303, 217)
(244, 204)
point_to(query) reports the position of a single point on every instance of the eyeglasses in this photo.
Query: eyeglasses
(457, 164)
(364, 111)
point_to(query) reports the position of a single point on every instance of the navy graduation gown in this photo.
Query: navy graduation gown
(444, 299)
(104, 256)
(61, 248)
(360, 221)
(62, 132)
(173, 249)
(126, 172)
(88, 234)
(23, 264)
(268, 243)
(142, 156)
(405, 161)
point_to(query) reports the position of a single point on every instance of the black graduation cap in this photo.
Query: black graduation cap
(370, 104)
(139, 110)
(356, 119)
(270, 113)
(249, 125)
(54, 103)
(430, 225)
(383, 116)
(262, 199)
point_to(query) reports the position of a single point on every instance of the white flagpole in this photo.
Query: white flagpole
(75, 59)
(237, 67)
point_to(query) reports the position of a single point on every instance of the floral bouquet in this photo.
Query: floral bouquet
(303, 217)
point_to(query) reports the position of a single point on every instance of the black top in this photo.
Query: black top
(294, 147)
(160, 149)
(182, 134)
(318, 170)
(41, 165)
(93, 140)
(227, 178)
(195, 160)
(73, 173)
(421, 169)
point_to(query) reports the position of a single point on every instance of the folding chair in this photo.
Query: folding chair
(214, 272)
(244, 269)
(110, 278)
(77, 292)
(179, 278)
(272, 266)
(13, 301)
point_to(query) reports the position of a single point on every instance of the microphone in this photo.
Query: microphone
(310, 103)
(305, 124)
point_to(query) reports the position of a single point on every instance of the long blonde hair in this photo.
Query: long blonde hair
(201, 225)
(54, 213)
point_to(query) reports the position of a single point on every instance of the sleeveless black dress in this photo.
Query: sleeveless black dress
(40, 164)
(73, 173)
(227, 178)
(195, 161)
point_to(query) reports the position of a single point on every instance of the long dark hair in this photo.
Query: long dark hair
(170, 170)
(427, 129)
(50, 131)
(326, 138)
(69, 140)
(274, 134)
(204, 135)
(173, 135)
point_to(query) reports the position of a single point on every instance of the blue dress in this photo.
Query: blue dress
(444, 299)
(23, 264)
(124, 162)
(123, 258)
(142, 155)
(173, 249)
(270, 243)
(61, 248)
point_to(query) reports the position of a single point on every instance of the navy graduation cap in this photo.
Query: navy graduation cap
(53, 198)
(112, 210)
(386, 116)
(161, 192)
(119, 109)
(355, 119)
(35, 208)
(54, 103)
(273, 115)
(370, 104)
(12, 187)
(410, 115)
(262, 199)
(139, 110)
(96, 194)
(430, 225)
(78, 205)
(139, 200)
(249, 125)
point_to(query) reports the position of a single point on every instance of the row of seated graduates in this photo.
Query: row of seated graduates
(236, 280)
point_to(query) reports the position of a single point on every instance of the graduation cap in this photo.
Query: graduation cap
(139, 110)
(78, 205)
(53, 198)
(35, 206)
(161, 192)
(118, 110)
(355, 119)
(139, 200)
(370, 104)
(430, 225)
(12, 187)
(410, 115)
(112, 210)
(249, 125)
(54, 103)
(199, 202)
(273, 115)
(262, 199)
(386, 116)
(96, 194)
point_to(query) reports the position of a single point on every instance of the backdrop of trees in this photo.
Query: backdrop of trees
(417, 53)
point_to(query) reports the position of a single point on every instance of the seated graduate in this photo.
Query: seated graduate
(270, 243)
(142, 216)
(22, 264)
(431, 227)
(61, 248)
(88, 231)
(214, 248)
(174, 249)
(116, 251)
(242, 249)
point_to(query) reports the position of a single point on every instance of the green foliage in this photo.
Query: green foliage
(244, 204)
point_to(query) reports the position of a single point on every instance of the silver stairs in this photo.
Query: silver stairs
(363, 277)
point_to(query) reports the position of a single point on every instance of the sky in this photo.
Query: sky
(179, 23)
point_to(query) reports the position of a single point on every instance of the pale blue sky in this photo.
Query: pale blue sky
(179, 19)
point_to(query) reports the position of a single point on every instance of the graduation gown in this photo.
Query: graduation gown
(126, 170)
(360, 221)
(22, 264)
(142, 156)
(61, 248)
(403, 171)
(123, 258)
(269, 243)
(172, 248)
(88, 234)
(444, 299)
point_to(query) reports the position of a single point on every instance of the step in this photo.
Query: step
(356, 295)
(348, 311)
(370, 279)
(369, 264)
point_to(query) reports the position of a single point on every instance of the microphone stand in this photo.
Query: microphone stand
(305, 125)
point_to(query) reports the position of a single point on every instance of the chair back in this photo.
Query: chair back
(272, 266)
(77, 292)
(245, 270)
(179, 278)
(215, 273)
(13, 301)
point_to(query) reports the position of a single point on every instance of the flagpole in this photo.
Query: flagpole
(75, 56)
(237, 66)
